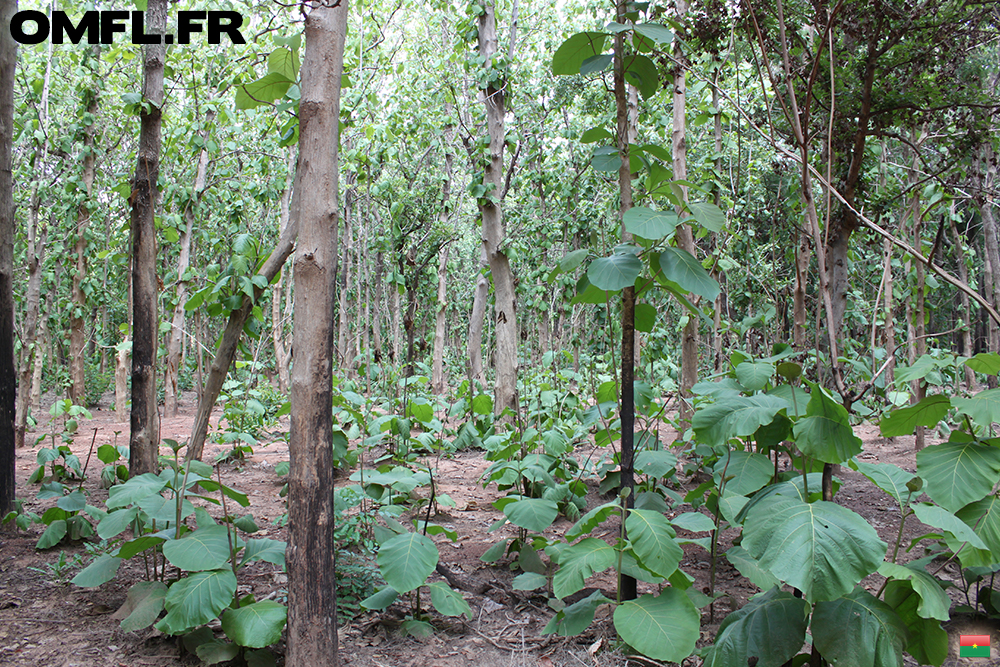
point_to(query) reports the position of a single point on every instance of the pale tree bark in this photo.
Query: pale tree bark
(889, 324)
(918, 341)
(505, 304)
(985, 181)
(312, 585)
(685, 237)
(31, 348)
(77, 321)
(281, 354)
(345, 351)
(174, 339)
(121, 380)
(8, 455)
(963, 275)
(440, 323)
(476, 319)
(144, 438)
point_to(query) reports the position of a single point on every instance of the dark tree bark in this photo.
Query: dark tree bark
(627, 584)
(144, 440)
(312, 586)
(8, 59)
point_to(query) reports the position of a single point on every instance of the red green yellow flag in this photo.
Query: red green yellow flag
(974, 646)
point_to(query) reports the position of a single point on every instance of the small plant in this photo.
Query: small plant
(60, 569)
(191, 559)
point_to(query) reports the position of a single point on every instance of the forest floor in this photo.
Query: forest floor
(44, 620)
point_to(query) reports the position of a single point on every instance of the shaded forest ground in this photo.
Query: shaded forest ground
(44, 620)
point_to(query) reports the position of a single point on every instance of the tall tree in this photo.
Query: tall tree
(494, 234)
(144, 438)
(8, 60)
(312, 586)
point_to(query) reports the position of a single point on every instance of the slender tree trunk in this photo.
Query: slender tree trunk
(919, 342)
(476, 320)
(144, 436)
(987, 182)
(30, 349)
(344, 351)
(174, 339)
(889, 326)
(41, 349)
(77, 321)
(504, 295)
(312, 585)
(627, 586)
(685, 237)
(966, 313)
(437, 369)
(8, 455)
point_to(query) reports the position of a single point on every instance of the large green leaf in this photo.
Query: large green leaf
(650, 224)
(407, 560)
(858, 629)
(135, 490)
(98, 573)
(664, 627)
(983, 408)
(256, 625)
(143, 605)
(271, 551)
(985, 362)
(575, 618)
(115, 523)
(681, 267)
(614, 272)
(204, 549)
(747, 472)
(934, 602)
(935, 516)
(381, 599)
(656, 32)
(748, 566)
(984, 518)
(958, 473)
(569, 57)
(888, 477)
(825, 432)
(754, 376)
(708, 215)
(268, 88)
(905, 421)
(592, 519)
(734, 416)
(535, 514)
(196, 600)
(927, 641)
(821, 548)
(642, 73)
(656, 463)
(53, 535)
(653, 542)
(448, 601)
(771, 627)
(580, 561)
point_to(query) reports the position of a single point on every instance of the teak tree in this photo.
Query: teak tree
(8, 60)
(144, 434)
(312, 586)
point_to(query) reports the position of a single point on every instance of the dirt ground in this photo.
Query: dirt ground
(44, 620)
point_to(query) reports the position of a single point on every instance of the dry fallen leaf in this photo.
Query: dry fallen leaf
(594, 648)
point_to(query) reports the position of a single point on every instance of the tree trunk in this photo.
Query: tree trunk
(685, 237)
(919, 341)
(144, 437)
(312, 585)
(170, 392)
(30, 349)
(121, 381)
(889, 326)
(437, 369)
(476, 319)
(504, 295)
(966, 316)
(344, 352)
(8, 455)
(77, 321)
(627, 586)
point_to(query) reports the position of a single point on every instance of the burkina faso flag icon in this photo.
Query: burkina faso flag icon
(974, 646)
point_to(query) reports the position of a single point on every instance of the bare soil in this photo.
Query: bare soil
(44, 620)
